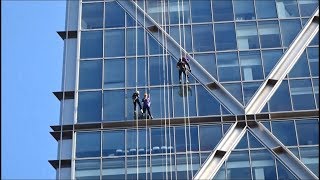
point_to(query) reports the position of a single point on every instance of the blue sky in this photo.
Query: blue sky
(31, 69)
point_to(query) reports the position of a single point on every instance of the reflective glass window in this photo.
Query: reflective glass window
(201, 11)
(113, 105)
(114, 73)
(89, 106)
(138, 66)
(249, 89)
(313, 57)
(138, 167)
(130, 22)
(263, 166)
(307, 7)
(162, 140)
(184, 135)
(132, 41)
(243, 143)
(228, 66)
(301, 68)
(154, 9)
(234, 89)
(154, 47)
(90, 74)
(247, 35)
(201, 42)
(92, 16)
(285, 132)
(210, 136)
(238, 165)
(280, 101)
(113, 143)
(225, 36)
(185, 163)
(182, 36)
(184, 99)
(302, 95)
(283, 172)
(114, 43)
(138, 141)
(244, 10)
(222, 10)
(113, 168)
(157, 73)
(253, 142)
(115, 15)
(91, 44)
(87, 169)
(265, 9)
(207, 105)
(290, 29)
(88, 144)
(316, 90)
(179, 9)
(251, 68)
(310, 157)
(156, 96)
(162, 167)
(208, 62)
(270, 58)
(269, 33)
(287, 8)
(308, 132)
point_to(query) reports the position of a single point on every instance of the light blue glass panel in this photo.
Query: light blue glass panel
(301, 94)
(92, 16)
(263, 165)
(234, 89)
(316, 90)
(157, 71)
(113, 168)
(114, 16)
(280, 101)
(184, 99)
(287, 8)
(310, 157)
(301, 68)
(243, 143)
(132, 41)
(206, 131)
(207, 105)
(179, 9)
(313, 57)
(307, 7)
(163, 167)
(251, 68)
(285, 132)
(143, 170)
(90, 75)
(283, 172)
(308, 131)
(222, 10)
(253, 142)
(156, 96)
(154, 47)
(269, 34)
(290, 29)
(225, 36)
(208, 62)
(228, 66)
(270, 58)
(238, 165)
(91, 44)
(87, 169)
(249, 89)
(187, 165)
(182, 36)
(201, 42)
(114, 73)
(138, 142)
(138, 66)
(113, 143)
(266, 9)
(155, 10)
(114, 43)
(162, 140)
(183, 136)
(244, 10)
(113, 105)
(89, 107)
(88, 144)
(201, 11)
(247, 35)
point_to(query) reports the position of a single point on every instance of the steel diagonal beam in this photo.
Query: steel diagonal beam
(280, 151)
(198, 72)
(283, 67)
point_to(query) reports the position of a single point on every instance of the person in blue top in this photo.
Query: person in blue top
(146, 105)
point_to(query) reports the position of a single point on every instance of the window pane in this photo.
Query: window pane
(162, 166)
(249, 89)
(157, 72)
(91, 44)
(138, 165)
(269, 34)
(87, 169)
(90, 75)
(310, 157)
(185, 163)
(307, 7)
(251, 68)
(154, 47)
(238, 165)
(300, 69)
(302, 95)
(285, 132)
(113, 143)
(208, 62)
(114, 43)
(201, 11)
(265, 9)
(287, 8)
(201, 42)
(225, 36)
(234, 89)
(213, 131)
(182, 36)
(308, 132)
(162, 140)
(113, 168)
(280, 101)
(313, 56)
(132, 40)
(228, 66)
(89, 107)
(316, 90)
(263, 166)
(143, 145)
(244, 10)
(270, 58)
(207, 105)
(156, 96)
(179, 9)
(183, 136)
(283, 172)
(114, 15)
(290, 29)
(247, 36)
(113, 105)
(222, 10)
(138, 66)
(114, 73)
(183, 95)
(92, 16)
(88, 144)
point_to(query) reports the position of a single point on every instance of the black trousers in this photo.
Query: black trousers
(184, 72)
(147, 108)
(135, 104)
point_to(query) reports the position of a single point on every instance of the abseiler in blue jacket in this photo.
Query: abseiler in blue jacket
(146, 105)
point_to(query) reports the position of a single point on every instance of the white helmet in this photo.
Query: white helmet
(137, 92)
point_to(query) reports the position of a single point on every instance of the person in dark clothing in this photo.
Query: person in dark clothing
(146, 105)
(135, 99)
(184, 67)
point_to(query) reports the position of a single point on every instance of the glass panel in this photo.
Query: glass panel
(235, 90)
(290, 29)
(316, 90)
(87, 169)
(243, 143)
(244, 10)
(90, 74)
(182, 36)
(212, 131)
(253, 142)
(249, 89)
(310, 157)
(184, 101)
(183, 136)
(162, 140)
(208, 62)
(88, 144)
(270, 58)
(162, 167)
(307, 7)
(225, 36)
(154, 46)
(92, 16)
(154, 9)
(187, 165)
(247, 35)
(228, 66)
(201, 42)
(207, 105)
(143, 168)
(89, 107)
(157, 73)
(222, 10)
(269, 33)
(308, 131)
(300, 69)
(265, 9)
(287, 8)
(285, 132)
(179, 9)
(91, 44)
(142, 146)
(114, 73)
(113, 143)
(113, 105)
(156, 96)
(280, 101)
(138, 66)
(283, 172)
(201, 11)
(114, 43)
(263, 165)
(238, 165)
(113, 168)
(132, 40)
(251, 68)
(114, 16)
(301, 94)
(313, 56)
(221, 174)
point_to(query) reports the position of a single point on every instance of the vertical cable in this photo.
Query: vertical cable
(136, 78)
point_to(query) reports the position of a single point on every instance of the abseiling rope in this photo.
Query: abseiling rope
(136, 116)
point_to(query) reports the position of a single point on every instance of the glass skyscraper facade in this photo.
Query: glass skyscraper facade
(109, 54)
